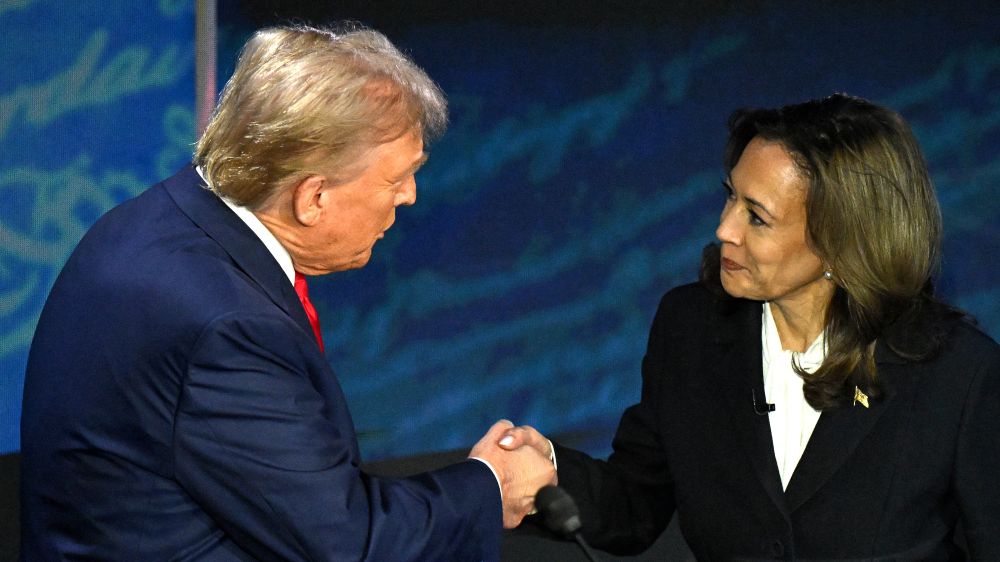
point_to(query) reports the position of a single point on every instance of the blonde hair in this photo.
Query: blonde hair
(306, 101)
(873, 218)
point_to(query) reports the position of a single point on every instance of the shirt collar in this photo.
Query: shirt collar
(272, 244)
(810, 359)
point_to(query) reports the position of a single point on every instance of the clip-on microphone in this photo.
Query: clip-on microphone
(764, 410)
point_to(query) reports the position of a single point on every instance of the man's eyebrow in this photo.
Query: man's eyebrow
(416, 165)
(412, 169)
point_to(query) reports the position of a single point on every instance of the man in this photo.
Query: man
(177, 402)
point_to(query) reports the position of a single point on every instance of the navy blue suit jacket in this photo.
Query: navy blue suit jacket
(176, 406)
(888, 482)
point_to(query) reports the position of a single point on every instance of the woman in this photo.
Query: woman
(808, 398)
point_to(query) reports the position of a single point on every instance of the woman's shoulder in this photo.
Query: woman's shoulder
(966, 338)
(949, 343)
(968, 362)
(702, 296)
(699, 302)
(935, 330)
(683, 293)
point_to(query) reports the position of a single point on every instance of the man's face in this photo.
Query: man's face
(357, 213)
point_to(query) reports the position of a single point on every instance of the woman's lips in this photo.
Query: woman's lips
(730, 265)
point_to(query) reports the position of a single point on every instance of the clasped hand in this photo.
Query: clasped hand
(521, 458)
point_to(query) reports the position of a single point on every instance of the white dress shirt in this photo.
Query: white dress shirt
(793, 419)
(279, 252)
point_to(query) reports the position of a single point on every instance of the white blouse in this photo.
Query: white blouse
(793, 419)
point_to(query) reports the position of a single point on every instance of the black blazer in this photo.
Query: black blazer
(889, 482)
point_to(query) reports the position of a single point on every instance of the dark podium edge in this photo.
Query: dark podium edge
(529, 542)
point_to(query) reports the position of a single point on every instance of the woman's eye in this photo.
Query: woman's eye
(755, 219)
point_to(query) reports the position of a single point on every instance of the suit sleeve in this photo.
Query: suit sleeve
(627, 501)
(274, 461)
(977, 462)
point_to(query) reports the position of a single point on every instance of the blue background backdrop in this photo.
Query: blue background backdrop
(578, 181)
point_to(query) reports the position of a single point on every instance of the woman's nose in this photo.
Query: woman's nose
(729, 230)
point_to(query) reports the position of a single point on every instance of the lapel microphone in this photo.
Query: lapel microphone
(763, 409)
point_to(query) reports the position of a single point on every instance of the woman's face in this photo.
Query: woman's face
(765, 255)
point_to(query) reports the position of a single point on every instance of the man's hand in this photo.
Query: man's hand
(525, 435)
(522, 471)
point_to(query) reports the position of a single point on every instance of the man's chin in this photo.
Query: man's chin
(361, 259)
(358, 261)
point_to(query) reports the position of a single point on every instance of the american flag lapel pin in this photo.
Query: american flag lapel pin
(860, 397)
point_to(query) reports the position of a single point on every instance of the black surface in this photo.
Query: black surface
(528, 543)
(532, 542)
(10, 505)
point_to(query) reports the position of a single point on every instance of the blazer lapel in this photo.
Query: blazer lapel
(838, 433)
(738, 350)
(207, 211)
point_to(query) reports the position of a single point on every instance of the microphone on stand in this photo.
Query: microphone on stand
(562, 516)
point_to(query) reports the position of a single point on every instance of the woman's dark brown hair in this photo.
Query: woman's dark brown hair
(873, 218)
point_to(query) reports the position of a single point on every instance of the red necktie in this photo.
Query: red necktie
(303, 291)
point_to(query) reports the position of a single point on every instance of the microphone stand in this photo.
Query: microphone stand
(562, 516)
(589, 552)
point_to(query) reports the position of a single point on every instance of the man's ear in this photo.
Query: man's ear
(307, 202)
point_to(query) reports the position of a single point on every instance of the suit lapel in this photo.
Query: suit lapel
(839, 432)
(207, 211)
(739, 362)
(737, 346)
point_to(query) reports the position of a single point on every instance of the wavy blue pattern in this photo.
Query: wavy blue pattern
(96, 103)
(579, 181)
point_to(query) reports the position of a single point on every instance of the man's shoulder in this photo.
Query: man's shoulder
(147, 256)
(129, 221)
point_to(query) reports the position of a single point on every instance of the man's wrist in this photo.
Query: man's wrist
(495, 474)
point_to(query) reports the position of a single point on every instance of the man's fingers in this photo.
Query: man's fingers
(497, 430)
(500, 426)
(488, 441)
(515, 437)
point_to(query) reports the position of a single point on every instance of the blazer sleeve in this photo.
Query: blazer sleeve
(273, 461)
(627, 501)
(977, 460)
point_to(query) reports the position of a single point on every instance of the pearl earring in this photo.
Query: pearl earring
(828, 275)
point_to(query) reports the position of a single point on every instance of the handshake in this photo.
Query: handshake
(522, 460)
